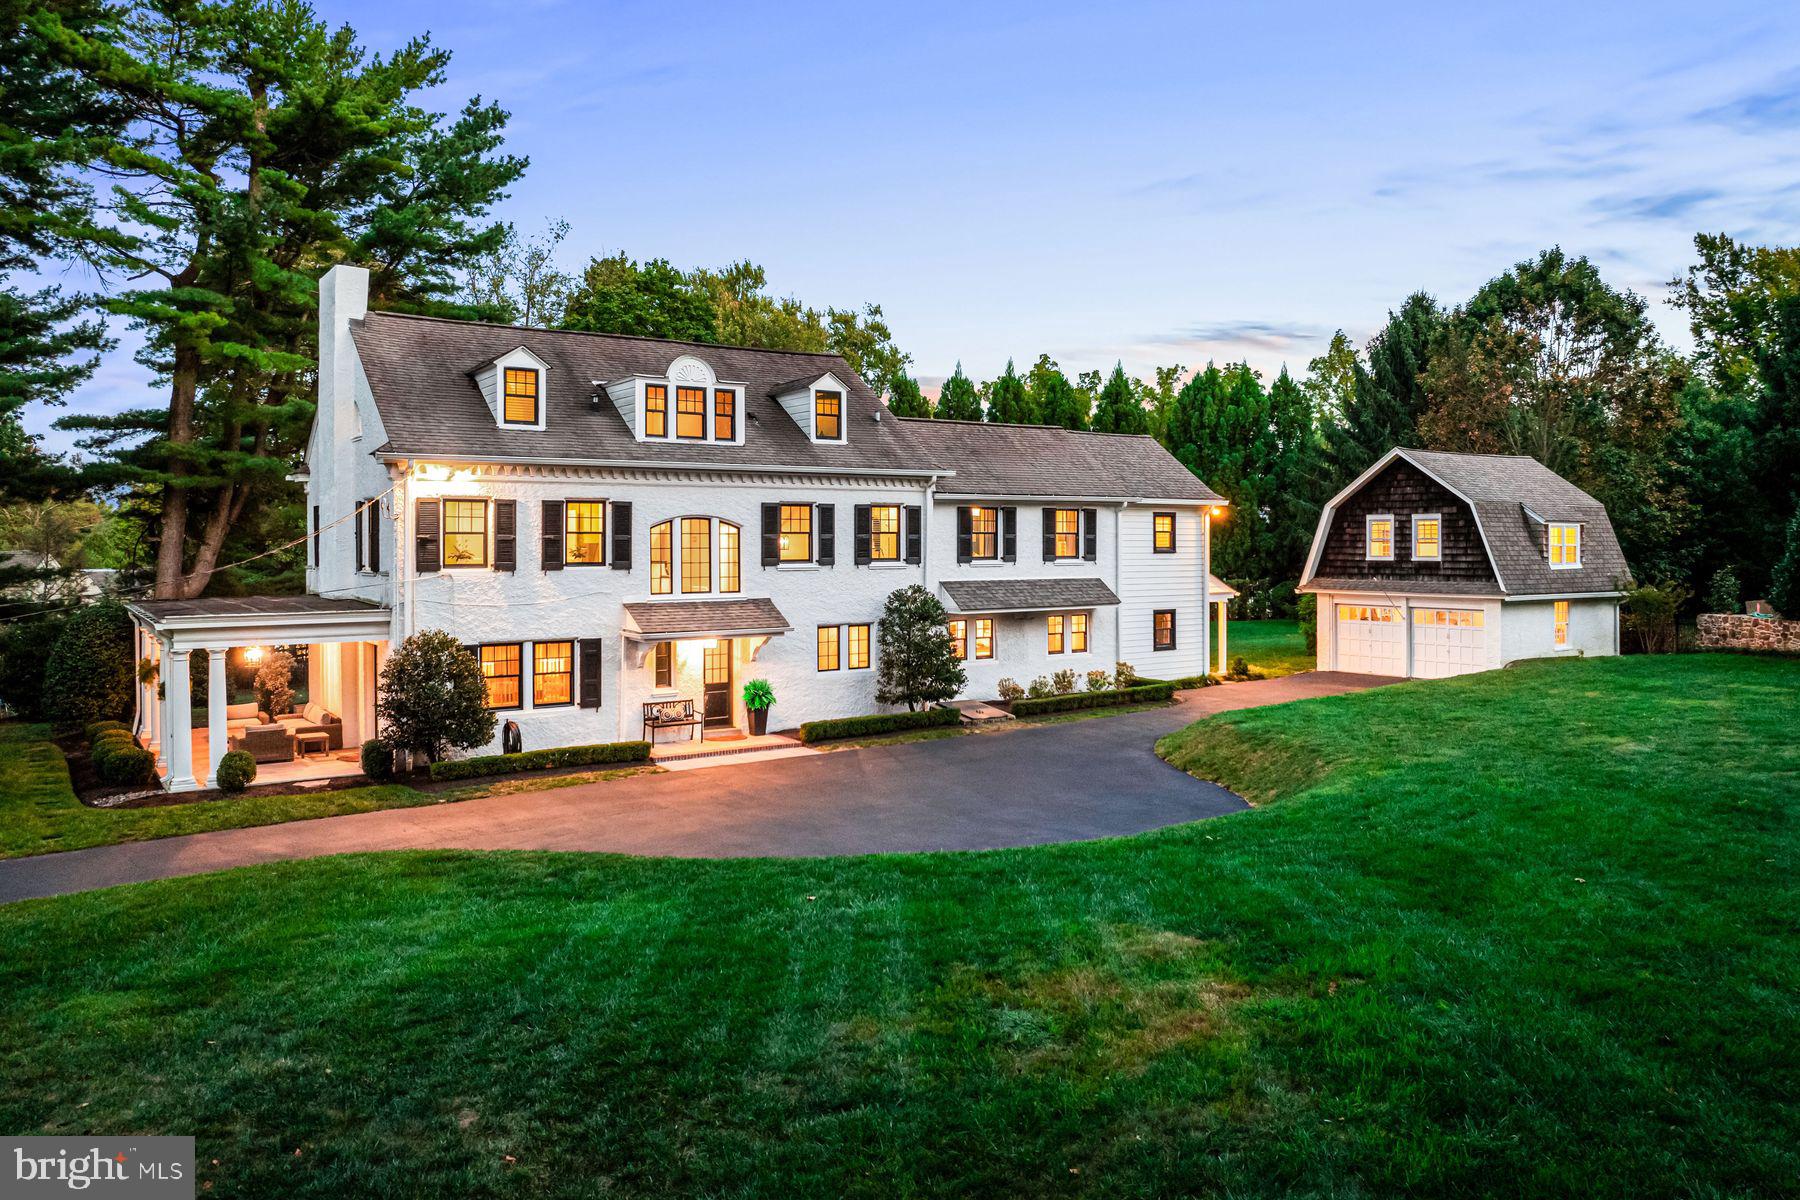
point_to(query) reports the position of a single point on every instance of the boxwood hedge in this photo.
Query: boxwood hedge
(877, 723)
(542, 760)
(1144, 693)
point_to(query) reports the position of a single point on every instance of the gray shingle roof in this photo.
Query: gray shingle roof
(252, 606)
(713, 617)
(1501, 487)
(1042, 460)
(419, 371)
(1026, 595)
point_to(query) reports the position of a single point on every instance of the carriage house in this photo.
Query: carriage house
(609, 522)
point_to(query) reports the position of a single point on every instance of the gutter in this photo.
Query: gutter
(639, 465)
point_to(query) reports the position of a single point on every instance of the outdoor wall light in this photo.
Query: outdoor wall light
(253, 654)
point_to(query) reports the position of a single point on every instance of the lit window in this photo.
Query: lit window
(984, 532)
(500, 671)
(828, 415)
(884, 533)
(1427, 539)
(662, 559)
(724, 415)
(1562, 622)
(520, 406)
(690, 413)
(664, 662)
(1163, 528)
(1078, 633)
(1381, 537)
(828, 647)
(656, 410)
(465, 533)
(696, 554)
(959, 639)
(984, 637)
(1068, 533)
(552, 673)
(1164, 629)
(859, 647)
(585, 536)
(1055, 622)
(1565, 546)
(796, 533)
(730, 577)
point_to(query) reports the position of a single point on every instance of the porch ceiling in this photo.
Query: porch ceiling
(212, 622)
(670, 620)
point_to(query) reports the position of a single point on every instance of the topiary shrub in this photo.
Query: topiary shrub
(1098, 681)
(433, 697)
(90, 672)
(237, 770)
(106, 745)
(128, 766)
(378, 760)
(93, 731)
(1063, 681)
(1010, 690)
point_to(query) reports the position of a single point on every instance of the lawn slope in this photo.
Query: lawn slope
(1529, 933)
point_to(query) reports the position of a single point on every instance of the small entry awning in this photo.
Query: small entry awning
(1217, 589)
(1025, 595)
(675, 620)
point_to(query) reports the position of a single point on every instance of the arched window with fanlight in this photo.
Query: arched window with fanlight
(696, 556)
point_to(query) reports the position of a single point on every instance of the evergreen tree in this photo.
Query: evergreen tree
(1056, 400)
(957, 399)
(906, 400)
(1119, 410)
(917, 660)
(1384, 402)
(617, 295)
(1009, 402)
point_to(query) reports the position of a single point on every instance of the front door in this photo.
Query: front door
(718, 684)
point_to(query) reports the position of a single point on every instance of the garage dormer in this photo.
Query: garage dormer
(687, 403)
(515, 386)
(817, 404)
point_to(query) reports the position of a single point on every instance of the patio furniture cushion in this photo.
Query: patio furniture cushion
(265, 743)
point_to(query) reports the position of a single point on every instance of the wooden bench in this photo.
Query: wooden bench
(672, 714)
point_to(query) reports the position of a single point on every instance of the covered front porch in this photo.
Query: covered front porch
(688, 659)
(337, 647)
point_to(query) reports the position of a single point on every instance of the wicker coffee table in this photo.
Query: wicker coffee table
(306, 743)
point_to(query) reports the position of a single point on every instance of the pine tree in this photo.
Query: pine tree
(1008, 401)
(1057, 401)
(1387, 399)
(906, 400)
(957, 400)
(1119, 410)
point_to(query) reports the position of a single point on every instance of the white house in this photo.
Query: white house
(1433, 564)
(607, 521)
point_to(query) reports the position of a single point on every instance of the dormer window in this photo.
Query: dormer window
(724, 415)
(689, 403)
(828, 415)
(519, 406)
(690, 413)
(656, 410)
(1565, 546)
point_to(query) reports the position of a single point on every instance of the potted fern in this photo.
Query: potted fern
(759, 697)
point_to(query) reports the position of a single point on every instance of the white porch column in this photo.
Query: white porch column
(217, 733)
(156, 700)
(1223, 616)
(178, 738)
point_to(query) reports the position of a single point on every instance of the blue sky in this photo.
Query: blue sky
(1146, 182)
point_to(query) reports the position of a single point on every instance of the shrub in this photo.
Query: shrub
(1009, 690)
(1038, 687)
(106, 745)
(128, 766)
(1784, 580)
(1309, 621)
(22, 665)
(1240, 668)
(542, 760)
(1723, 595)
(1124, 675)
(1063, 681)
(93, 731)
(1148, 693)
(1650, 615)
(89, 674)
(1099, 681)
(878, 723)
(378, 760)
(917, 661)
(237, 770)
(433, 697)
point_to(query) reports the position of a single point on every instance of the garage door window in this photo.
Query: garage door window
(1368, 612)
(1450, 618)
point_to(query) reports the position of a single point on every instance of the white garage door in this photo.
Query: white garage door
(1368, 639)
(1449, 641)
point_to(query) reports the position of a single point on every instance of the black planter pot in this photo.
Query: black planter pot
(759, 721)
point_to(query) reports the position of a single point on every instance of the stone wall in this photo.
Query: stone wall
(1721, 631)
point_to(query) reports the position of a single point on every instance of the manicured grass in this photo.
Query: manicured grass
(1530, 933)
(1269, 647)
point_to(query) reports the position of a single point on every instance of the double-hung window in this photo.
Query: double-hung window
(1163, 629)
(552, 673)
(1068, 533)
(828, 415)
(690, 413)
(724, 415)
(984, 532)
(500, 672)
(884, 533)
(1427, 533)
(663, 662)
(828, 647)
(1078, 633)
(984, 637)
(584, 537)
(1162, 527)
(859, 646)
(1379, 539)
(656, 410)
(1565, 546)
(519, 404)
(465, 533)
(796, 533)
(959, 638)
(1055, 625)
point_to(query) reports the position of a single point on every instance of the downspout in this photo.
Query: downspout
(925, 532)
(1119, 582)
(1206, 524)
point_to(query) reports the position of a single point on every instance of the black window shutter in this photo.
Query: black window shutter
(1090, 533)
(1171, 630)
(590, 672)
(915, 519)
(771, 535)
(315, 536)
(357, 537)
(506, 535)
(1009, 534)
(860, 543)
(621, 535)
(1049, 534)
(374, 514)
(551, 550)
(427, 549)
(965, 536)
(827, 522)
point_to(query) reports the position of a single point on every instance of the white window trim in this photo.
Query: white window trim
(812, 400)
(1567, 644)
(1550, 528)
(1369, 528)
(1416, 518)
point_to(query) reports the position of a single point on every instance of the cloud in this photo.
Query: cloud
(1676, 205)
(1563, 166)
(1272, 336)
(1772, 108)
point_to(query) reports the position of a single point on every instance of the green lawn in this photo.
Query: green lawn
(1269, 647)
(1528, 933)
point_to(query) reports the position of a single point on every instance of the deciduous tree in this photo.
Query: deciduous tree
(917, 662)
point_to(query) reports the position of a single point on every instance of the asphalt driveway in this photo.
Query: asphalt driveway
(1021, 787)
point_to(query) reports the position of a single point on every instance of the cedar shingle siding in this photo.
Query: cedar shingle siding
(1402, 490)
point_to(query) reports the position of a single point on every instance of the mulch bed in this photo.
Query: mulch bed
(92, 791)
